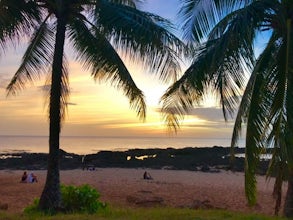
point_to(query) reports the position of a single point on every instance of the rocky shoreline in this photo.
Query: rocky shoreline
(206, 159)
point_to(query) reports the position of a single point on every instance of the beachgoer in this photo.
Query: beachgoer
(24, 177)
(32, 178)
(147, 176)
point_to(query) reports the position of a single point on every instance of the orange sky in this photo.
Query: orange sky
(98, 109)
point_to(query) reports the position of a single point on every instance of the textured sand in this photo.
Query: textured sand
(124, 187)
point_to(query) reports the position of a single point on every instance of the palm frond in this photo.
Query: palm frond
(178, 100)
(221, 63)
(256, 112)
(17, 18)
(189, 90)
(254, 135)
(142, 37)
(97, 54)
(260, 124)
(261, 66)
(200, 16)
(35, 60)
(266, 116)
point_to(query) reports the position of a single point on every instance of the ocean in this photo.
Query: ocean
(90, 145)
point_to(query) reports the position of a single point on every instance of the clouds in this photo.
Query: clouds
(211, 114)
(206, 113)
(204, 122)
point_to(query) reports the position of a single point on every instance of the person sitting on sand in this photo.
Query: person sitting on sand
(147, 176)
(32, 178)
(24, 177)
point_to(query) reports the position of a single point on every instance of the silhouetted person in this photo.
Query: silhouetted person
(32, 178)
(147, 176)
(24, 177)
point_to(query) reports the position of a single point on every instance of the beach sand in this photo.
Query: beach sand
(127, 188)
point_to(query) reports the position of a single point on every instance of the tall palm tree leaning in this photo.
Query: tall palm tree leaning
(97, 30)
(223, 33)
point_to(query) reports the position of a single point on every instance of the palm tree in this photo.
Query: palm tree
(222, 34)
(98, 30)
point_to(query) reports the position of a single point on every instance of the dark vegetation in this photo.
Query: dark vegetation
(75, 199)
(208, 159)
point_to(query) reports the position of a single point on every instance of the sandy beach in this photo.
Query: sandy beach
(126, 187)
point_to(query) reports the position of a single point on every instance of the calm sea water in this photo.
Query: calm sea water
(89, 145)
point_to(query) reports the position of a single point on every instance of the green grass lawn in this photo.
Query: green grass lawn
(145, 213)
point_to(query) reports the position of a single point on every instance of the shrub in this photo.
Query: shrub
(75, 199)
(83, 199)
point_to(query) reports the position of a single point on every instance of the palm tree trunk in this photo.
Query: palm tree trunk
(288, 207)
(51, 195)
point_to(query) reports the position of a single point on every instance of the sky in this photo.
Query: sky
(97, 109)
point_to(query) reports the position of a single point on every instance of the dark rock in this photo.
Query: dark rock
(208, 159)
(205, 168)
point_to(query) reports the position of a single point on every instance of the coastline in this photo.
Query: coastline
(93, 144)
(206, 159)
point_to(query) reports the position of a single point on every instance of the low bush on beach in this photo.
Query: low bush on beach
(75, 199)
(112, 213)
(84, 199)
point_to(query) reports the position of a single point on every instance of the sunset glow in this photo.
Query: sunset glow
(96, 108)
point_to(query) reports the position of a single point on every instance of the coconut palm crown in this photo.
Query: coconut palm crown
(223, 34)
(99, 31)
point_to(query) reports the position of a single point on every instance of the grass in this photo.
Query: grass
(144, 213)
